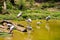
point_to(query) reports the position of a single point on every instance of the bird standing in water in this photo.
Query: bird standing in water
(47, 26)
(47, 18)
(28, 23)
(28, 20)
(29, 28)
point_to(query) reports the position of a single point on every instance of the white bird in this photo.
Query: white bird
(20, 13)
(47, 18)
(29, 27)
(29, 20)
(29, 30)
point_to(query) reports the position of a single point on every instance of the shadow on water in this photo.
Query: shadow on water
(48, 31)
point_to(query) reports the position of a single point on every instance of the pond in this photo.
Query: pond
(45, 31)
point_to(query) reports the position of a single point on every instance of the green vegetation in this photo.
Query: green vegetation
(31, 9)
(33, 14)
(4, 34)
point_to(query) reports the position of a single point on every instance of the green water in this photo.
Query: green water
(42, 33)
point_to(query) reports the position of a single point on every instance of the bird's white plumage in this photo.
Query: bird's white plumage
(29, 27)
(29, 20)
(47, 18)
(20, 13)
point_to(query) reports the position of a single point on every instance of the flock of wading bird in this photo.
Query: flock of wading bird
(5, 24)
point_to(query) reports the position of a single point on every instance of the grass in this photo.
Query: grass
(33, 14)
(4, 34)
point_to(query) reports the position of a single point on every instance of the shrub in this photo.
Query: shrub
(47, 5)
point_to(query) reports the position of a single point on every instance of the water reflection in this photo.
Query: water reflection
(29, 35)
(8, 38)
(47, 26)
(38, 25)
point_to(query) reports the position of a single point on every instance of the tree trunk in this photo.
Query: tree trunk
(4, 7)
